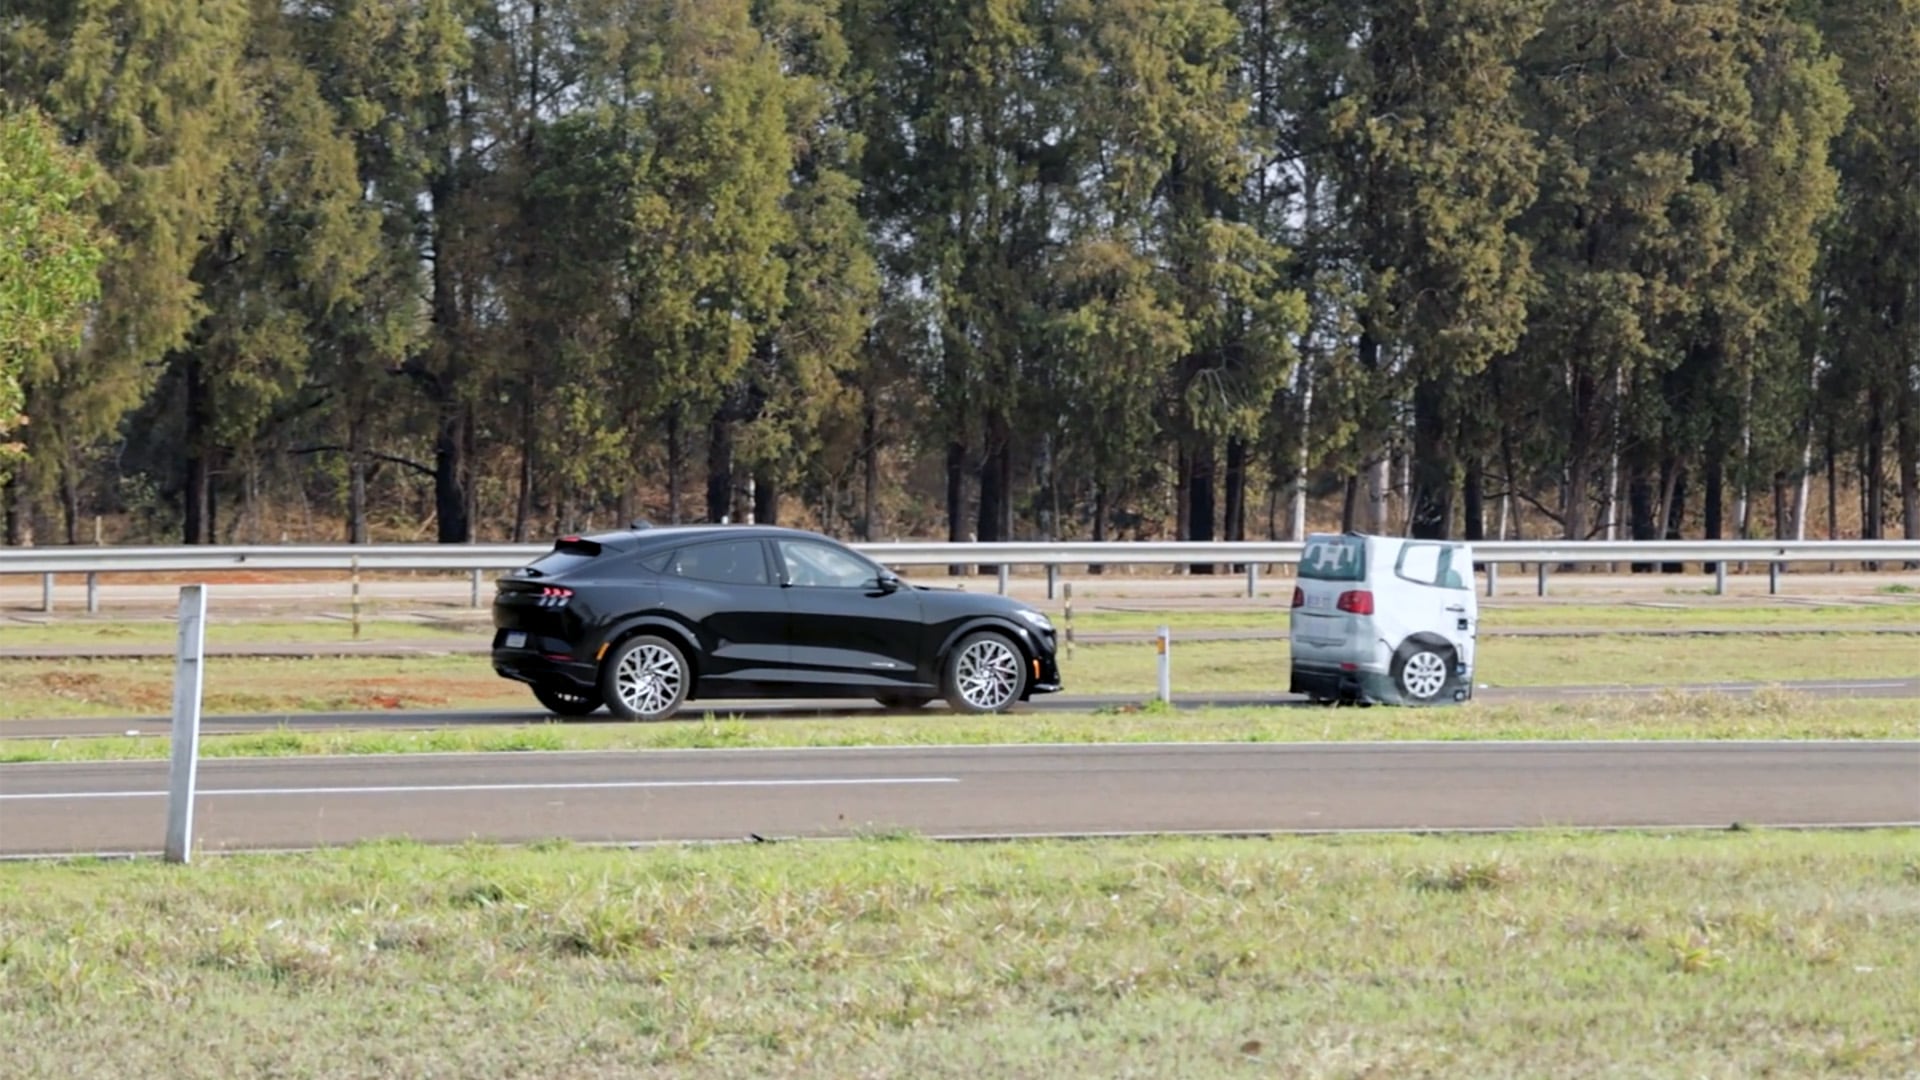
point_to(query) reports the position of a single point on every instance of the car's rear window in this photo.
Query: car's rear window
(1334, 558)
(568, 554)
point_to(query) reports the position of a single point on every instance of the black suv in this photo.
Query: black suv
(646, 619)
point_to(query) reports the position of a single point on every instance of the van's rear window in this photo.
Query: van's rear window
(1334, 558)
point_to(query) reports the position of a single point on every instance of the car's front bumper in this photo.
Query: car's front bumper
(1044, 675)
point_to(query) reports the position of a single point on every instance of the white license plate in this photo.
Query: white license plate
(516, 641)
(1320, 602)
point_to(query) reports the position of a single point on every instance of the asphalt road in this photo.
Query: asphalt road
(963, 792)
(86, 727)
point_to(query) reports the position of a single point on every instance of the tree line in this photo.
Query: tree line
(464, 269)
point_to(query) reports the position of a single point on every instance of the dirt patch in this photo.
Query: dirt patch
(94, 688)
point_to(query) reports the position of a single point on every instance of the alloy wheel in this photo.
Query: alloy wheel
(987, 674)
(648, 680)
(1424, 675)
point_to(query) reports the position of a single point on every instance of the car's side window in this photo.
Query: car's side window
(732, 562)
(812, 565)
(1432, 565)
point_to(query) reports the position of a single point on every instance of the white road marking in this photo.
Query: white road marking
(417, 789)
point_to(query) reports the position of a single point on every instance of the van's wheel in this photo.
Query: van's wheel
(903, 702)
(646, 678)
(984, 674)
(566, 702)
(1421, 671)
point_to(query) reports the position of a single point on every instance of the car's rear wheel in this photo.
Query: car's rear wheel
(903, 702)
(984, 674)
(566, 702)
(1420, 671)
(645, 678)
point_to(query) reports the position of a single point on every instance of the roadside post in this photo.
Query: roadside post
(188, 679)
(1163, 643)
(1069, 595)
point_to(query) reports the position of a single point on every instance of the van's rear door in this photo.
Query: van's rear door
(1331, 565)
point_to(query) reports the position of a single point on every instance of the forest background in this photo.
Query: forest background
(999, 269)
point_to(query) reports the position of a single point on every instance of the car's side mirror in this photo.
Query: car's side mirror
(888, 582)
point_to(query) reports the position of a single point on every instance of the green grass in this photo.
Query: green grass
(1716, 955)
(53, 689)
(1765, 715)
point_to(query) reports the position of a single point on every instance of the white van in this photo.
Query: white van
(1383, 619)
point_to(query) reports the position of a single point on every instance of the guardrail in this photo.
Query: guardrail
(477, 559)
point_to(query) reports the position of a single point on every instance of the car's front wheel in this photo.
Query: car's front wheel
(645, 678)
(566, 702)
(984, 674)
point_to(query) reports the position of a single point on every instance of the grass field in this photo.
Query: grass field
(1767, 715)
(1717, 955)
(51, 689)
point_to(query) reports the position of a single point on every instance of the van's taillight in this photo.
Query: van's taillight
(1356, 602)
(1299, 598)
(555, 596)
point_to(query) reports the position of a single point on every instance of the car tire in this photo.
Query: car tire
(645, 678)
(903, 702)
(1421, 671)
(985, 673)
(566, 702)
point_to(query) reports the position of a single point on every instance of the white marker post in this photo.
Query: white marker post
(188, 675)
(1164, 643)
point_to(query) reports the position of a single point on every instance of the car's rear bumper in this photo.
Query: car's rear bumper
(544, 662)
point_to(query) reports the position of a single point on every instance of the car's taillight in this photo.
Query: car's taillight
(1356, 602)
(1299, 598)
(555, 596)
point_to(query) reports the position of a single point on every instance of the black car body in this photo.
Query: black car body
(741, 611)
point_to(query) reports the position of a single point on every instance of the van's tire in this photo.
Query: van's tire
(1421, 671)
(566, 702)
(985, 673)
(645, 678)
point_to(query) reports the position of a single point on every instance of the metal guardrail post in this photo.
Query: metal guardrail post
(1720, 578)
(474, 599)
(355, 571)
(188, 681)
(46, 592)
(1002, 568)
(1493, 577)
(93, 593)
(1773, 579)
(1069, 620)
(1053, 578)
(1164, 644)
(1253, 580)
(1541, 568)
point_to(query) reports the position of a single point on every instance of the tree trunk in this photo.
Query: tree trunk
(197, 516)
(1350, 502)
(70, 501)
(956, 498)
(1379, 490)
(1100, 510)
(766, 500)
(676, 464)
(1200, 494)
(1676, 511)
(719, 469)
(1640, 523)
(1430, 509)
(993, 492)
(20, 507)
(1907, 441)
(1235, 522)
(449, 471)
(1712, 526)
(869, 466)
(357, 478)
(1474, 500)
(1303, 462)
(1573, 500)
(523, 502)
(1874, 467)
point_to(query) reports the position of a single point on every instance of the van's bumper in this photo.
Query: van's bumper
(1333, 683)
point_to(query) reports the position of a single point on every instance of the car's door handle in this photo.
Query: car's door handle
(1456, 607)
